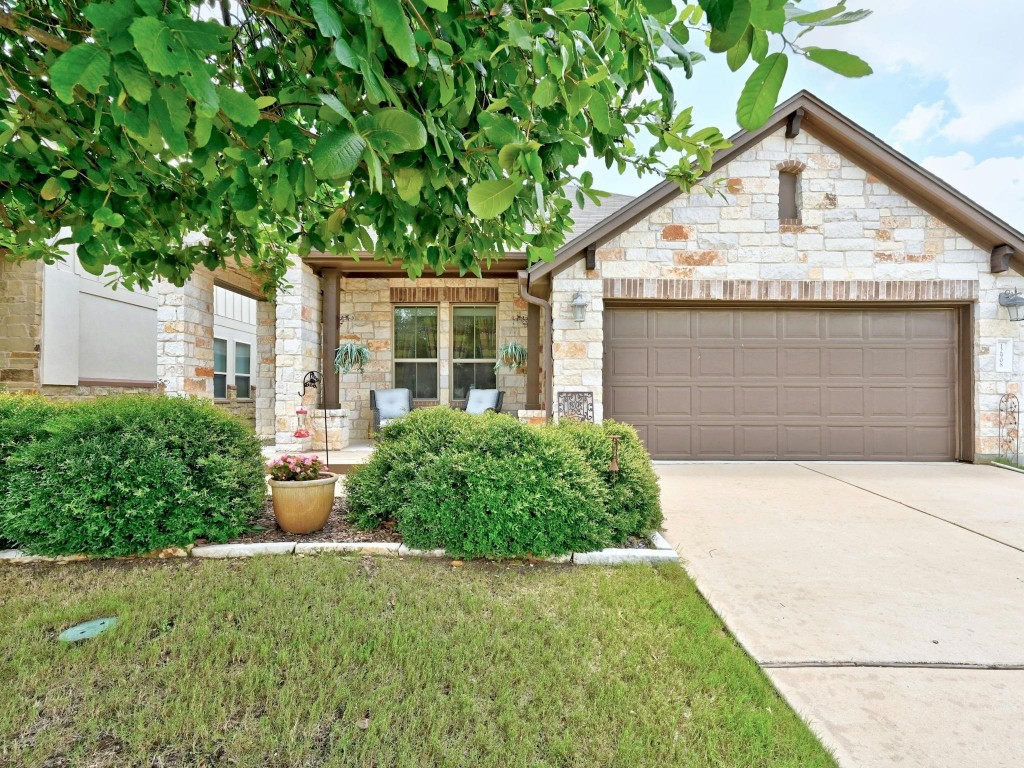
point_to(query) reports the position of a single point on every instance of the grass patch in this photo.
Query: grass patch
(1007, 463)
(329, 661)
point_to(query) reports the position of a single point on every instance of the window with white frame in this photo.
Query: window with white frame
(232, 367)
(243, 364)
(220, 368)
(416, 351)
(474, 349)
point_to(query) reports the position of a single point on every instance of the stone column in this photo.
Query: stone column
(185, 335)
(297, 350)
(578, 346)
(265, 380)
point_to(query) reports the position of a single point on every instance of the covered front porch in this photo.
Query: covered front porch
(436, 336)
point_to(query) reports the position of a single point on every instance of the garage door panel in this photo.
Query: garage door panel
(630, 361)
(801, 363)
(759, 362)
(671, 361)
(801, 402)
(672, 442)
(785, 383)
(716, 361)
(672, 401)
(715, 401)
(628, 402)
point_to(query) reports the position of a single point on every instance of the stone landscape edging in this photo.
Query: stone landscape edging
(662, 553)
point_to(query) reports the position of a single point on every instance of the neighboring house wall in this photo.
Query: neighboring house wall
(95, 335)
(733, 247)
(371, 304)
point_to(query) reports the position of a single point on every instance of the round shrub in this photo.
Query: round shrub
(480, 486)
(634, 497)
(23, 419)
(129, 474)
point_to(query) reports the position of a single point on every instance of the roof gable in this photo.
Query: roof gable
(804, 111)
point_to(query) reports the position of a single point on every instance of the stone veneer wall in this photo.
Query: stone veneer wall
(297, 351)
(853, 227)
(369, 302)
(21, 317)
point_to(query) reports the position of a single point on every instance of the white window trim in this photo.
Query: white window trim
(436, 360)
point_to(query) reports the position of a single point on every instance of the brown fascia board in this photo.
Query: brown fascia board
(849, 139)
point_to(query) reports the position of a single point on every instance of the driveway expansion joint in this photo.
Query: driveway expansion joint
(967, 666)
(910, 507)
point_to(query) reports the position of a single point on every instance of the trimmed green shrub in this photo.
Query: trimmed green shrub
(125, 475)
(634, 497)
(23, 419)
(479, 486)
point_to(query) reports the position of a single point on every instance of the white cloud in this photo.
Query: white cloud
(996, 183)
(922, 120)
(971, 49)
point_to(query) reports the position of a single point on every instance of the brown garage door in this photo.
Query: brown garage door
(752, 383)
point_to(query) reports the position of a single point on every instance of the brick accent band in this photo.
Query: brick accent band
(791, 290)
(453, 295)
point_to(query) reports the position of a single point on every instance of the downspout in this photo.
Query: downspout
(545, 307)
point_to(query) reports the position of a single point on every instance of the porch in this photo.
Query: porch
(437, 336)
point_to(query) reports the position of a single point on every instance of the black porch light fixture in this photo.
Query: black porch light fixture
(1014, 303)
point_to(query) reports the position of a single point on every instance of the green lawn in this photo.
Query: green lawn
(325, 661)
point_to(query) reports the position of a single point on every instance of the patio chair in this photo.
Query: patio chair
(389, 405)
(482, 400)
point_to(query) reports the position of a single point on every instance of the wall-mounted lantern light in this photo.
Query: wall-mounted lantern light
(1014, 303)
(579, 307)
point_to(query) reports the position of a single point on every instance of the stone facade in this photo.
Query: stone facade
(854, 230)
(21, 317)
(296, 352)
(370, 304)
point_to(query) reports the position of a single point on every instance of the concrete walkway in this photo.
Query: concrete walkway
(886, 602)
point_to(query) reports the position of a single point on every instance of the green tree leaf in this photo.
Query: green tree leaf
(844, 63)
(718, 12)
(134, 77)
(761, 92)
(53, 188)
(409, 182)
(488, 199)
(392, 131)
(737, 55)
(337, 154)
(239, 107)
(158, 46)
(327, 18)
(725, 38)
(389, 16)
(87, 65)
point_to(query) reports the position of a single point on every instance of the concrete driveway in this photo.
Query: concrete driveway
(885, 601)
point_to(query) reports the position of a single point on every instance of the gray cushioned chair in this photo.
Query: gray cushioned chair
(388, 405)
(482, 400)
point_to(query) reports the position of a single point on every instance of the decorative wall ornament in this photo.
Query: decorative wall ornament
(576, 405)
(1009, 428)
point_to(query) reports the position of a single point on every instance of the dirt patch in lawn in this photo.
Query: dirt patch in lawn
(338, 528)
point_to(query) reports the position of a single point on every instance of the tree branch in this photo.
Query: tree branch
(41, 36)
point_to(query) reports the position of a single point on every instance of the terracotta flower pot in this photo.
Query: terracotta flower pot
(303, 506)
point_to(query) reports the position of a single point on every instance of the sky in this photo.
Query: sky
(948, 92)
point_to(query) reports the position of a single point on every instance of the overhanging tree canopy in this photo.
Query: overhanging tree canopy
(156, 135)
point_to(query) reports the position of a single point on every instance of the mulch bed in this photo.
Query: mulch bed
(338, 528)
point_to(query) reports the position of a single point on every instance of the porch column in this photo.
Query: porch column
(533, 345)
(330, 396)
(266, 377)
(185, 335)
(297, 351)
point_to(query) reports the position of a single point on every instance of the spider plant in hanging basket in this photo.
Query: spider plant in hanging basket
(512, 356)
(351, 355)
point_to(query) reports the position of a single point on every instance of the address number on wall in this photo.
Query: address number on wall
(1004, 355)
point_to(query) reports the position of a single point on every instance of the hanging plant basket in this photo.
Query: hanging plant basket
(351, 355)
(512, 356)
